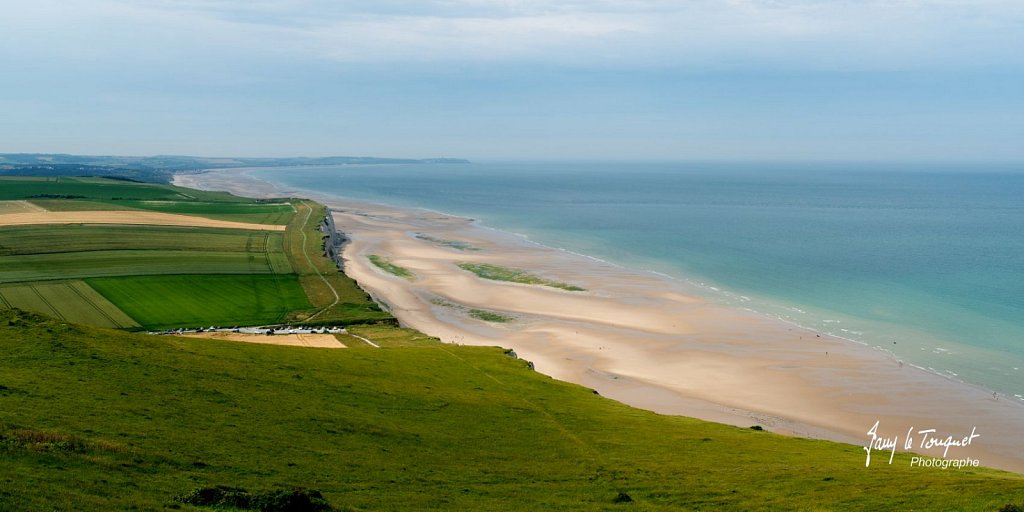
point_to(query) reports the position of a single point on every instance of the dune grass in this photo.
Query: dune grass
(452, 244)
(490, 316)
(513, 275)
(385, 265)
(106, 420)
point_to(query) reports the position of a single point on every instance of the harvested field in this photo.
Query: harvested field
(19, 207)
(73, 301)
(290, 340)
(127, 217)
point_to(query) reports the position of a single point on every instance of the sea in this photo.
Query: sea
(925, 260)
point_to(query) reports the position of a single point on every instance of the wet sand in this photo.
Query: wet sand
(650, 342)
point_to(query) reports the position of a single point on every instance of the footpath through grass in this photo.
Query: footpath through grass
(337, 299)
(105, 420)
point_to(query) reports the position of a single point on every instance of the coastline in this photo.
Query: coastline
(644, 341)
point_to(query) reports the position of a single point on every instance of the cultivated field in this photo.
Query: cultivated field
(286, 340)
(18, 207)
(126, 217)
(72, 301)
(103, 190)
(171, 301)
(42, 267)
(48, 239)
(173, 257)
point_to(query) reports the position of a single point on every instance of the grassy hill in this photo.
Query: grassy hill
(98, 419)
(101, 419)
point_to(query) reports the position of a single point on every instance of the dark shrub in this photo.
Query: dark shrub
(295, 500)
(292, 500)
(220, 496)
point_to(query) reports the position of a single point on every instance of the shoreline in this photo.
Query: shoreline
(646, 341)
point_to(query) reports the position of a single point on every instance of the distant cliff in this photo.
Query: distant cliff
(161, 168)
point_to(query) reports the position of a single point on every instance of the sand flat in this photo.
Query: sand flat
(652, 343)
(130, 217)
(290, 340)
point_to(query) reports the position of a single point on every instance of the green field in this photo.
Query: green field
(514, 275)
(77, 194)
(73, 301)
(167, 302)
(162, 275)
(103, 420)
(40, 267)
(195, 258)
(48, 239)
(103, 190)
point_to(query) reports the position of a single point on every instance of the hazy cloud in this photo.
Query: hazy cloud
(537, 78)
(871, 34)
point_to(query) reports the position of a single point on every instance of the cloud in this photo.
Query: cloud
(815, 34)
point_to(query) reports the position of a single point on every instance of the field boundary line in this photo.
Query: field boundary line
(93, 304)
(4, 301)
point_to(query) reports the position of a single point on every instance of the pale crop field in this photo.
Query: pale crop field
(72, 301)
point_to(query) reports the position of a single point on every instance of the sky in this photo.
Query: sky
(516, 79)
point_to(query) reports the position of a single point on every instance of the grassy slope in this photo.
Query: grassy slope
(105, 420)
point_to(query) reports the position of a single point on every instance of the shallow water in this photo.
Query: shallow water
(925, 261)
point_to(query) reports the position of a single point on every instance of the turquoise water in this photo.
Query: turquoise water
(925, 261)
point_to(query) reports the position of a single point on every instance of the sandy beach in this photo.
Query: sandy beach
(649, 342)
